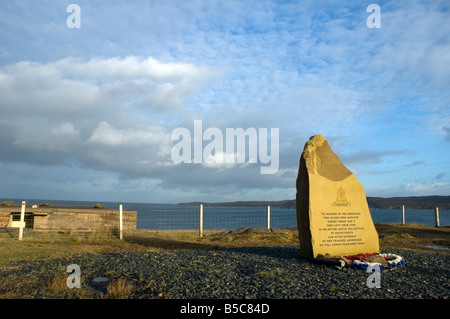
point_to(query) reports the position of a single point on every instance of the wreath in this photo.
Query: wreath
(383, 261)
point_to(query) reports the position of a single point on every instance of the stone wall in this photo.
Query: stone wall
(67, 218)
(4, 217)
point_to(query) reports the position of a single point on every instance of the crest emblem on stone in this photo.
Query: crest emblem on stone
(341, 199)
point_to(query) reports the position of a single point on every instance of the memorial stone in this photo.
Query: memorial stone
(333, 216)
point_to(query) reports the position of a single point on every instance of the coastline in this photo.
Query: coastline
(410, 202)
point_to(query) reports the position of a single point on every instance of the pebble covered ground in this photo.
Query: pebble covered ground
(233, 273)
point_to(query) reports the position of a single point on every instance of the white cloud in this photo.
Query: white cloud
(65, 129)
(128, 67)
(35, 136)
(28, 88)
(446, 129)
(107, 100)
(97, 113)
(72, 85)
(164, 95)
(106, 134)
(435, 188)
(366, 157)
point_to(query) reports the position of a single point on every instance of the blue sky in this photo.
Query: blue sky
(87, 113)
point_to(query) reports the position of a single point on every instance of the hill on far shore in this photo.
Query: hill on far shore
(411, 202)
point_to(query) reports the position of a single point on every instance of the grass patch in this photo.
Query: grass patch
(45, 204)
(312, 276)
(119, 288)
(7, 203)
(42, 246)
(274, 274)
(56, 287)
(335, 288)
(214, 271)
(269, 273)
(414, 237)
(186, 239)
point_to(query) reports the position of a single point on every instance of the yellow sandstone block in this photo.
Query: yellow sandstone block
(333, 216)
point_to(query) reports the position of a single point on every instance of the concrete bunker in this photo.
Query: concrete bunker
(67, 218)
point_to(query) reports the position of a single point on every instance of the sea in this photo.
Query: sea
(154, 216)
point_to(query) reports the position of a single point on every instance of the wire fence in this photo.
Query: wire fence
(25, 222)
(226, 218)
(94, 223)
(216, 218)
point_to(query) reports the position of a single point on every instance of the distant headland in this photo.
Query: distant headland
(410, 202)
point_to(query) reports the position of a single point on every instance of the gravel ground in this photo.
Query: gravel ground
(238, 273)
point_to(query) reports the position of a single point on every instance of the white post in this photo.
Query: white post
(436, 214)
(201, 220)
(120, 222)
(22, 220)
(268, 216)
(403, 214)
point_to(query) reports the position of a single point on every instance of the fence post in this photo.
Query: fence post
(120, 222)
(201, 220)
(22, 220)
(403, 214)
(268, 216)
(436, 214)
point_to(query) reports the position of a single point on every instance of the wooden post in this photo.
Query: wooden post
(268, 216)
(22, 220)
(201, 220)
(120, 222)
(436, 214)
(403, 214)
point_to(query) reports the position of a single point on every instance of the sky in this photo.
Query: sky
(90, 98)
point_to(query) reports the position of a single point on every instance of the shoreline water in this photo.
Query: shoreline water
(161, 216)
